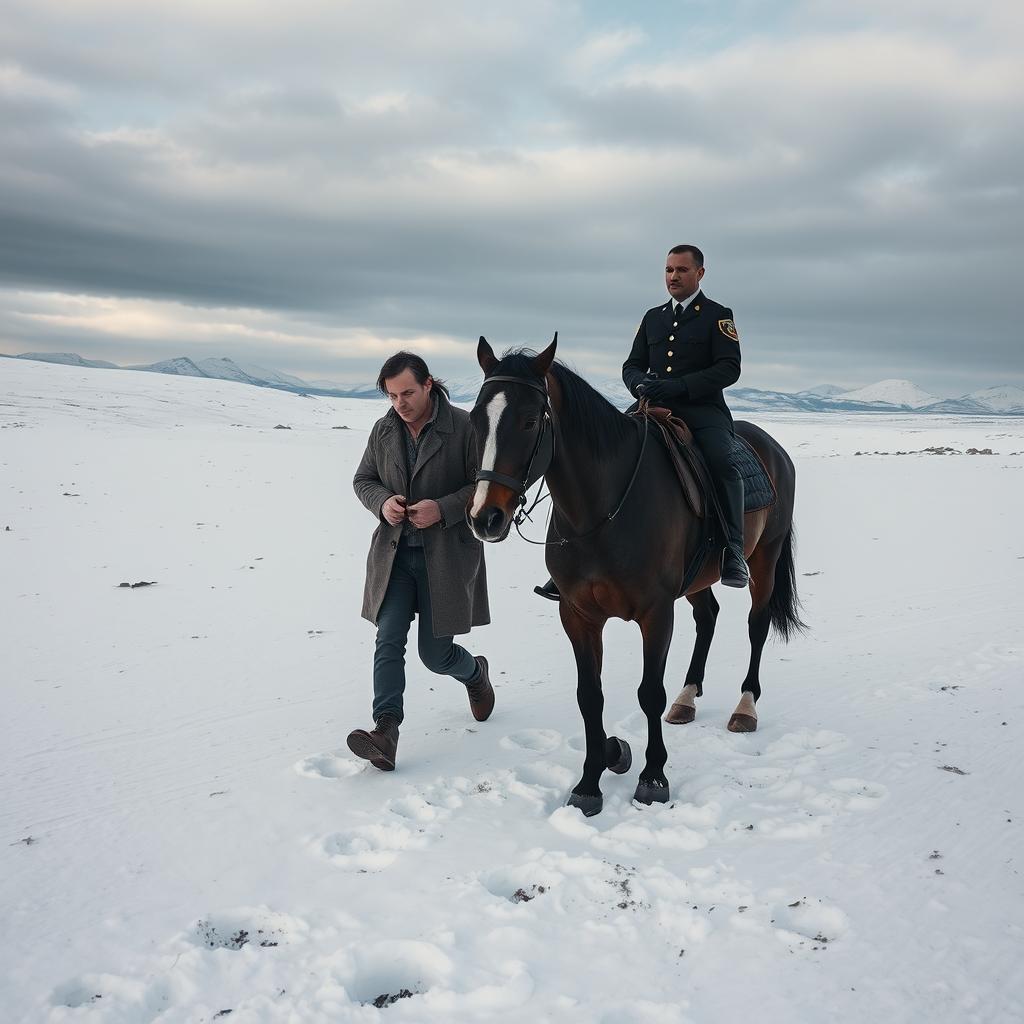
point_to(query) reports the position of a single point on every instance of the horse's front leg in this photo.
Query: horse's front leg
(588, 646)
(656, 628)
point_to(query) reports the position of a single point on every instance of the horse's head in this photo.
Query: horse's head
(511, 421)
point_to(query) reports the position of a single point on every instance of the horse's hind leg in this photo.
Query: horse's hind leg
(762, 579)
(705, 612)
(588, 646)
(657, 632)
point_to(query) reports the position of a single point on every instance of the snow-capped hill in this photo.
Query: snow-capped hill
(67, 359)
(890, 392)
(886, 396)
(224, 368)
(270, 376)
(464, 389)
(181, 366)
(1006, 398)
(956, 406)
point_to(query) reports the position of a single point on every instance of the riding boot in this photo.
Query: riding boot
(549, 590)
(734, 571)
(379, 746)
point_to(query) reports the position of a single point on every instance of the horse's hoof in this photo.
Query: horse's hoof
(742, 723)
(624, 754)
(651, 792)
(589, 805)
(681, 714)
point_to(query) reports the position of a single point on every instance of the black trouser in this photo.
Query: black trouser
(716, 445)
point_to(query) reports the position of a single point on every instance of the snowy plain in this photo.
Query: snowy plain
(184, 836)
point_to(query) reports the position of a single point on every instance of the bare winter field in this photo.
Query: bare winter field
(183, 832)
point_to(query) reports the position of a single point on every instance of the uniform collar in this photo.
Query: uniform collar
(685, 304)
(696, 297)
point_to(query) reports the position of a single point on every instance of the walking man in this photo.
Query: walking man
(416, 478)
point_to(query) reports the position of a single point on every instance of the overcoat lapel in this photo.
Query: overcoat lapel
(393, 443)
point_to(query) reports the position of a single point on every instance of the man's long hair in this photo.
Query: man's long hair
(402, 361)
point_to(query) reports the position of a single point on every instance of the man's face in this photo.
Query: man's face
(682, 275)
(410, 399)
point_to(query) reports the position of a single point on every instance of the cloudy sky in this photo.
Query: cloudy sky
(312, 185)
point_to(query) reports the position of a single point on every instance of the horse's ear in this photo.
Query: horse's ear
(485, 356)
(542, 363)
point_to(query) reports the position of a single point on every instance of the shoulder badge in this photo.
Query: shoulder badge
(728, 328)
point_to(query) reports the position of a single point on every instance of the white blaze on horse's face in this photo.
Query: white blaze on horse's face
(495, 407)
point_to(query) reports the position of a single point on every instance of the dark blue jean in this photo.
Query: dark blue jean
(406, 595)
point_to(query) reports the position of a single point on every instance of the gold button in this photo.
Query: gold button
(671, 337)
(675, 325)
(668, 369)
(670, 355)
(696, 309)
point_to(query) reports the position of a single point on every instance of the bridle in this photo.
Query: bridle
(544, 446)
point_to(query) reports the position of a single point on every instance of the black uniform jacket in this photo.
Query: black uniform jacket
(700, 348)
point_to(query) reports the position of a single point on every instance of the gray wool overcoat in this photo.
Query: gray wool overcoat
(445, 471)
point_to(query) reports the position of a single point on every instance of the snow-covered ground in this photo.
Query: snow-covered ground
(185, 838)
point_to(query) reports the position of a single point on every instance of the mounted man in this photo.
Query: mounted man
(684, 354)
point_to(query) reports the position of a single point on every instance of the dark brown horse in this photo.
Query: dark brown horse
(620, 541)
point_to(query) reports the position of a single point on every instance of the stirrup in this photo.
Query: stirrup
(734, 580)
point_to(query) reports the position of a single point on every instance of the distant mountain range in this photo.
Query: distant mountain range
(900, 396)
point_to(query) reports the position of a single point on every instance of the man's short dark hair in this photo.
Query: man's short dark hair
(679, 250)
(402, 361)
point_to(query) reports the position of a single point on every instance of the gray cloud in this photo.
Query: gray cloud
(856, 189)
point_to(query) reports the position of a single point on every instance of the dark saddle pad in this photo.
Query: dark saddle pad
(692, 470)
(758, 491)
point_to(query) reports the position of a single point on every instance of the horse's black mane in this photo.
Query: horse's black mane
(587, 412)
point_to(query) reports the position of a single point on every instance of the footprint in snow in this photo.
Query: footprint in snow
(803, 742)
(124, 998)
(851, 795)
(253, 927)
(542, 874)
(540, 741)
(406, 969)
(329, 766)
(415, 808)
(809, 923)
(369, 847)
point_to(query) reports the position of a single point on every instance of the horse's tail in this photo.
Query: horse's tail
(784, 604)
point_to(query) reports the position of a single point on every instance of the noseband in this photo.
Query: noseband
(543, 448)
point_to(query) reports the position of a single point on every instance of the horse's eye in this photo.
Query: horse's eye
(530, 424)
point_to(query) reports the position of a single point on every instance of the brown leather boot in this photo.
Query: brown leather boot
(481, 693)
(378, 746)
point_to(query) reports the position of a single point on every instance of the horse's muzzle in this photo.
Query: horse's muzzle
(490, 524)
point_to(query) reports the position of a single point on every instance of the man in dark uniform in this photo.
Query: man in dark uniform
(683, 355)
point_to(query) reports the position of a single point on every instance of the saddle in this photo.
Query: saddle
(693, 473)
